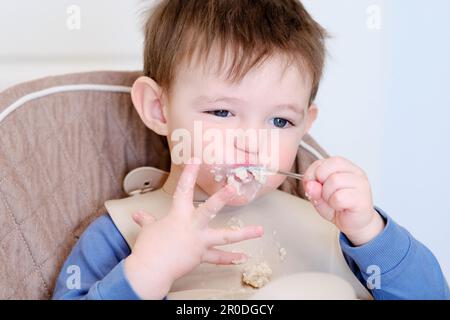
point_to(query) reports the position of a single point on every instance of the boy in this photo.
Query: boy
(239, 64)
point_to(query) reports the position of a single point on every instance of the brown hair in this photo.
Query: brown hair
(253, 30)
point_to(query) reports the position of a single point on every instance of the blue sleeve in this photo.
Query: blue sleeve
(394, 265)
(95, 268)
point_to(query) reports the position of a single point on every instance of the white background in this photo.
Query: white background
(384, 101)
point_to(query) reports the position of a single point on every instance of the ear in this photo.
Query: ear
(311, 117)
(149, 103)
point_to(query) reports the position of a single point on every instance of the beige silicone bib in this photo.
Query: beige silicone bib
(300, 247)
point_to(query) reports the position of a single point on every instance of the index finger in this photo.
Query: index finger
(310, 173)
(335, 165)
(184, 192)
(212, 206)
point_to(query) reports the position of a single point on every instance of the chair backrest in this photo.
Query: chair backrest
(66, 144)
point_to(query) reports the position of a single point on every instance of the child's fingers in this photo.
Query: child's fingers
(334, 165)
(217, 256)
(143, 218)
(184, 192)
(313, 191)
(217, 237)
(212, 206)
(343, 199)
(310, 173)
(336, 181)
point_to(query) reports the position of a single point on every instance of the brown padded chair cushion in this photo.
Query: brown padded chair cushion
(61, 156)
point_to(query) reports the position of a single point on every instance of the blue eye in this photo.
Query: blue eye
(220, 113)
(280, 122)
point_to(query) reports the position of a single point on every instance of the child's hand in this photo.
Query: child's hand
(171, 247)
(340, 192)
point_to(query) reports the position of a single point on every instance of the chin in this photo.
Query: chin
(239, 201)
(245, 199)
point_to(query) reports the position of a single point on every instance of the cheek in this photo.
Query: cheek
(286, 154)
(286, 158)
(206, 181)
(200, 140)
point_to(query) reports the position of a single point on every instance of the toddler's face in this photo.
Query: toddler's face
(258, 121)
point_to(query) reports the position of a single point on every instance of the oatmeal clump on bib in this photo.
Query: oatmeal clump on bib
(257, 275)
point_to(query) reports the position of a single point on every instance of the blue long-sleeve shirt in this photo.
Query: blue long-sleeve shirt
(406, 269)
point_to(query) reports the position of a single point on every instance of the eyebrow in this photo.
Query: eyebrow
(205, 99)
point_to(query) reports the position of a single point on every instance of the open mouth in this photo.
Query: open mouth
(241, 177)
(242, 174)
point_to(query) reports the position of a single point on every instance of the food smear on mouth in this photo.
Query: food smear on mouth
(259, 173)
(247, 180)
(231, 180)
(242, 174)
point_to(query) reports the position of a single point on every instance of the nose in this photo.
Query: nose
(246, 144)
